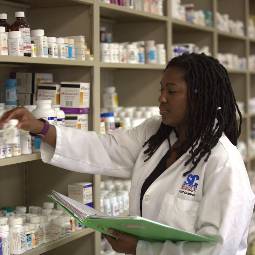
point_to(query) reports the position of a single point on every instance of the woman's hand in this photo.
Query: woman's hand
(123, 243)
(26, 119)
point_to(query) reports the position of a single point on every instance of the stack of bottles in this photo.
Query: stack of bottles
(225, 24)
(179, 49)
(150, 6)
(188, 12)
(114, 199)
(233, 61)
(252, 63)
(142, 52)
(22, 229)
(18, 40)
(113, 116)
(251, 28)
(16, 142)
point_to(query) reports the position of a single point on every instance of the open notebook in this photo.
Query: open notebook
(142, 228)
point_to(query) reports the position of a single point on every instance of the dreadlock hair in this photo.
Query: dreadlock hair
(212, 108)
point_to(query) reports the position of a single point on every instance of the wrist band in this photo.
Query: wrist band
(44, 130)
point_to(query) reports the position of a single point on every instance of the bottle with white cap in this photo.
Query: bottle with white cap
(52, 47)
(15, 43)
(41, 42)
(21, 25)
(3, 42)
(61, 48)
(5, 237)
(3, 22)
(18, 240)
(44, 110)
(48, 205)
(110, 98)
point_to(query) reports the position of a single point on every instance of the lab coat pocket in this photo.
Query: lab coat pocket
(179, 213)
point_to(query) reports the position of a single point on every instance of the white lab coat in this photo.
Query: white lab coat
(215, 199)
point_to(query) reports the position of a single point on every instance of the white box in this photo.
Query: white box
(79, 121)
(50, 91)
(24, 83)
(81, 192)
(75, 94)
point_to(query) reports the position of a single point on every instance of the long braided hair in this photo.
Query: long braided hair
(212, 108)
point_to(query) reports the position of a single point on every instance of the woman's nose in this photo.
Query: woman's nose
(162, 97)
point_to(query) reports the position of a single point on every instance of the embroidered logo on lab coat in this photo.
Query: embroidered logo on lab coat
(189, 186)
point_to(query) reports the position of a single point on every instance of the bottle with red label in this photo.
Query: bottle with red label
(21, 25)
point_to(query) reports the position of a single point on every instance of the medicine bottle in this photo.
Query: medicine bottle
(71, 50)
(3, 22)
(52, 47)
(18, 242)
(45, 111)
(151, 56)
(161, 54)
(11, 90)
(41, 42)
(11, 133)
(25, 142)
(15, 43)
(108, 118)
(5, 237)
(3, 42)
(61, 48)
(29, 236)
(60, 115)
(110, 98)
(21, 25)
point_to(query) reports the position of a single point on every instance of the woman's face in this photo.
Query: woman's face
(173, 98)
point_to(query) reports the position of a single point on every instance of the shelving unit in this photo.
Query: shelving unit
(30, 181)
(58, 243)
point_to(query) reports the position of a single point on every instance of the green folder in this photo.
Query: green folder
(143, 229)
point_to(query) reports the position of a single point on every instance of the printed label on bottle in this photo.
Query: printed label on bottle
(25, 31)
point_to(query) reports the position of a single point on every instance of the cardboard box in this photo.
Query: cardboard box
(81, 192)
(75, 94)
(49, 91)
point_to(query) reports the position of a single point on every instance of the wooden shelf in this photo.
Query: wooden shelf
(132, 66)
(44, 61)
(236, 71)
(19, 159)
(55, 244)
(122, 13)
(227, 35)
(183, 25)
(45, 3)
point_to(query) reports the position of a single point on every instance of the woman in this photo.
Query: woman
(186, 170)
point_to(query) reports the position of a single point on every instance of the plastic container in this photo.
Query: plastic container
(161, 54)
(60, 115)
(44, 110)
(18, 240)
(11, 134)
(71, 52)
(15, 43)
(5, 237)
(41, 42)
(21, 25)
(151, 54)
(108, 118)
(110, 98)
(61, 48)
(48, 205)
(52, 47)
(25, 142)
(3, 42)
(4, 23)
